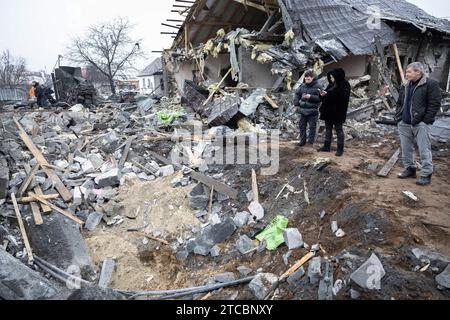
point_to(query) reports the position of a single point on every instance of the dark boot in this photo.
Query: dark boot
(424, 181)
(326, 147)
(340, 150)
(408, 173)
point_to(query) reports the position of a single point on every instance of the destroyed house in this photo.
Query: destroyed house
(268, 43)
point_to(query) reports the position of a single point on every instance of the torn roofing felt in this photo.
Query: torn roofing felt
(403, 11)
(337, 27)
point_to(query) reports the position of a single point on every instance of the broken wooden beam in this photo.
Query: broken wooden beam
(384, 172)
(22, 229)
(36, 211)
(297, 266)
(63, 191)
(38, 191)
(218, 186)
(213, 92)
(125, 152)
(28, 199)
(28, 180)
(63, 212)
(255, 187)
(271, 102)
(399, 62)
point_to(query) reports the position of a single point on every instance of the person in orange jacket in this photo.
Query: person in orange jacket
(32, 92)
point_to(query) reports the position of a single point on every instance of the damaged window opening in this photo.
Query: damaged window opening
(274, 150)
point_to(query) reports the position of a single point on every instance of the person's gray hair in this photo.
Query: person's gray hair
(417, 66)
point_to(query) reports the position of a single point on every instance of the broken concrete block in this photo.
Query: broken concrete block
(93, 221)
(370, 274)
(444, 278)
(263, 284)
(198, 200)
(334, 226)
(224, 277)
(61, 164)
(60, 242)
(245, 271)
(96, 160)
(214, 219)
(182, 255)
(315, 247)
(241, 219)
(166, 171)
(355, 295)
(18, 282)
(107, 272)
(77, 199)
(202, 250)
(340, 233)
(293, 238)
(221, 232)
(294, 278)
(87, 167)
(109, 179)
(4, 178)
(244, 244)
(215, 251)
(315, 270)
(256, 210)
(87, 187)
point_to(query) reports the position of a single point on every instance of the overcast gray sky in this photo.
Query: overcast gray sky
(39, 30)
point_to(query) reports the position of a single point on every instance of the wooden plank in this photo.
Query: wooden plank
(38, 190)
(63, 212)
(399, 62)
(389, 165)
(31, 199)
(252, 4)
(297, 266)
(36, 214)
(218, 186)
(22, 229)
(44, 207)
(126, 151)
(28, 180)
(63, 191)
(217, 88)
(255, 186)
(70, 158)
(271, 102)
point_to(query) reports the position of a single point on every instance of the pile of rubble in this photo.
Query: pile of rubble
(64, 172)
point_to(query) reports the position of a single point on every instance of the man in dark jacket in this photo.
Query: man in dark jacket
(417, 106)
(334, 109)
(307, 97)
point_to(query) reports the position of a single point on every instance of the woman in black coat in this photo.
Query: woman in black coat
(335, 101)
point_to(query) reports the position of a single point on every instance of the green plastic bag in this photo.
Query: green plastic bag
(273, 234)
(167, 118)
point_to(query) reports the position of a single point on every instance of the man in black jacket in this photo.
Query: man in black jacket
(417, 106)
(307, 97)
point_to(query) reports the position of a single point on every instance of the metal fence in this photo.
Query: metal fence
(13, 94)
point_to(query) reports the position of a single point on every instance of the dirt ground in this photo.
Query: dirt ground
(371, 210)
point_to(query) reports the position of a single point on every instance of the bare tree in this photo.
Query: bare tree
(108, 47)
(13, 70)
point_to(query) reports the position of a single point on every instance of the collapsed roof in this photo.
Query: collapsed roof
(339, 27)
(153, 68)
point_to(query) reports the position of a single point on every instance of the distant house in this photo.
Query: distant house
(151, 79)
